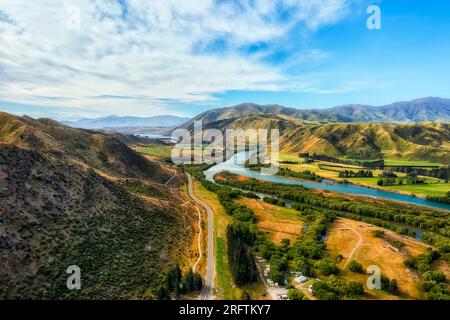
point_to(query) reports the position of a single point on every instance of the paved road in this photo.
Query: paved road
(207, 292)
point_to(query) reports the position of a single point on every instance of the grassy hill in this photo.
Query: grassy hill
(56, 210)
(420, 142)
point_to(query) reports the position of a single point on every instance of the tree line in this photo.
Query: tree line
(373, 164)
(389, 216)
(175, 284)
(241, 233)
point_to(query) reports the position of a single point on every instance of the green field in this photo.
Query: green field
(224, 279)
(434, 187)
(440, 189)
(406, 163)
(290, 157)
(159, 151)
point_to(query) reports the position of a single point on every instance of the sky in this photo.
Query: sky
(89, 58)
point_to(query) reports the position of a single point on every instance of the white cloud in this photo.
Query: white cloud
(131, 56)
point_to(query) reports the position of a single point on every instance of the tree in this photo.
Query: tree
(303, 266)
(246, 295)
(240, 256)
(278, 267)
(437, 276)
(378, 233)
(438, 292)
(198, 281)
(173, 280)
(188, 282)
(162, 293)
(393, 287)
(191, 281)
(355, 266)
(354, 288)
(326, 267)
(294, 294)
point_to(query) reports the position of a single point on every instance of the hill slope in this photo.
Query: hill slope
(425, 141)
(56, 211)
(95, 149)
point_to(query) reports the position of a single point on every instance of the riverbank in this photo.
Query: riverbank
(235, 165)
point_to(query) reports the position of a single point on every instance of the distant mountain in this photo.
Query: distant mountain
(123, 122)
(407, 141)
(420, 110)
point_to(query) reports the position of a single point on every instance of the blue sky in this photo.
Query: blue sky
(133, 57)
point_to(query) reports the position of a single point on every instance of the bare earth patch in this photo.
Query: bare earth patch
(355, 240)
(277, 222)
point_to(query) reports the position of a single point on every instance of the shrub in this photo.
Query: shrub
(326, 267)
(354, 288)
(355, 266)
(294, 294)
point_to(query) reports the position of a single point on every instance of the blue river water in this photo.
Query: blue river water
(235, 165)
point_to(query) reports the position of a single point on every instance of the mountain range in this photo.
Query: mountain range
(419, 110)
(124, 122)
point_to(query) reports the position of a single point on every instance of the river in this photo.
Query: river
(235, 164)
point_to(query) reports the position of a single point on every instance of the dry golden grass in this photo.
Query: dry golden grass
(355, 240)
(277, 222)
(192, 214)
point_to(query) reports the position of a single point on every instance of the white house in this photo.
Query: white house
(301, 279)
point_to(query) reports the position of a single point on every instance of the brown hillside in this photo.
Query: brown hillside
(95, 149)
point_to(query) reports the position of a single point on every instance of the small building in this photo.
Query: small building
(301, 279)
(282, 294)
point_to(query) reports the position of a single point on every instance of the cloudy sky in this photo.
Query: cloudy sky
(85, 58)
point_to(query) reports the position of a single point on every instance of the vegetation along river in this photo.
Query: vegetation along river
(235, 164)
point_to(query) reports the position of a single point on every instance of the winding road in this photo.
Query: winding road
(207, 292)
